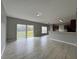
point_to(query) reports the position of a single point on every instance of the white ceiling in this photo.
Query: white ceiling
(50, 9)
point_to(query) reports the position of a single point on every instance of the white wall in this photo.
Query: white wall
(61, 28)
(3, 29)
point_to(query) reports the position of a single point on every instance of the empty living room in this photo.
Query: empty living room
(38, 29)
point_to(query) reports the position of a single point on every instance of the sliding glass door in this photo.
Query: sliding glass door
(21, 31)
(30, 31)
(25, 31)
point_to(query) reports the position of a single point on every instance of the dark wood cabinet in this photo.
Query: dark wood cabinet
(71, 27)
(55, 27)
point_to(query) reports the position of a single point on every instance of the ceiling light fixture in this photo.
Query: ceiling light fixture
(60, 20)
(38, 13)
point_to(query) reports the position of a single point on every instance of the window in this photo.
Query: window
(44, 29)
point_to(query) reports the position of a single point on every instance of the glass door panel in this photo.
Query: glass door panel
(21, 31)
(30, 31)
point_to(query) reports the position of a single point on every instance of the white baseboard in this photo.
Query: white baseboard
(64, 42)
(2, 51)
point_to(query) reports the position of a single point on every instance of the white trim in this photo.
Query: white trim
(2, 51)
(64, 42)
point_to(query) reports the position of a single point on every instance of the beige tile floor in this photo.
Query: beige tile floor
(39, 48)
